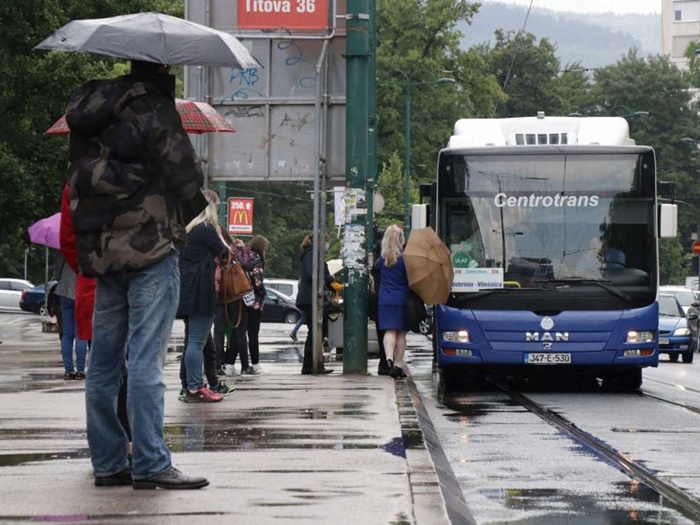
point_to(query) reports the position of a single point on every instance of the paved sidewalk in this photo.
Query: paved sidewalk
(284, 448)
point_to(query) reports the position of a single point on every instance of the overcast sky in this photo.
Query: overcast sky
(592, 6)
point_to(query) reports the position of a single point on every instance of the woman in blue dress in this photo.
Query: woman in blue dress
(392, 299)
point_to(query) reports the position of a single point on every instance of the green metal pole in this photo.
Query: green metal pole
(407, 180)
(356, 153)
(372, 132)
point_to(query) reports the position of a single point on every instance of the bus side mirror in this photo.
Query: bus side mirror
(419, 216)
(668, 220)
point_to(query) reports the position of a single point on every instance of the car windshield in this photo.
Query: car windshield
(668, 306)
(685, 297)
(547, 217)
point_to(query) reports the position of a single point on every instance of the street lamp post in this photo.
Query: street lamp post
(410, 81)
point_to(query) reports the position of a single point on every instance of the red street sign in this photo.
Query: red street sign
(696, 247)
(282, 14)
(240, 216)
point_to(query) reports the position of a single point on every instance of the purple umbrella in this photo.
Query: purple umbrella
(46, 231)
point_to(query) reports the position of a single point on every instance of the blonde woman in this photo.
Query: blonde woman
(392, 299)
(198, 293)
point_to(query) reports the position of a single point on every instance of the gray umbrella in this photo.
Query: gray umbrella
(153, 37)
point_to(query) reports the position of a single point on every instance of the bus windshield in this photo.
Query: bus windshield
(525, 220)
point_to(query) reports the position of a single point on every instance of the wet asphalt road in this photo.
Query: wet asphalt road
(515, 468)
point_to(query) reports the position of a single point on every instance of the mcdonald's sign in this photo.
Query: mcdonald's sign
(240, 216)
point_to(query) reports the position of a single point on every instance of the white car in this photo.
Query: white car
(11, 292)
(288, 287)
(685, 296)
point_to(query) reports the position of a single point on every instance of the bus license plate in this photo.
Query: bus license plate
(548, 359)
(663, 340)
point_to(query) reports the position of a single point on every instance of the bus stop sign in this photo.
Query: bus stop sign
(696, 247)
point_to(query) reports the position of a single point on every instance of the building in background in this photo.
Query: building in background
(680, 21)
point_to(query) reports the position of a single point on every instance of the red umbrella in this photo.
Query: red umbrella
(197, 117)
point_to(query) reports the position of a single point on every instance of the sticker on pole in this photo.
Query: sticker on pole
(240, 216)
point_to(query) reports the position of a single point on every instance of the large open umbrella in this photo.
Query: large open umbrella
(46, 231)
(428, 266)
(152, 37)
(197, 117)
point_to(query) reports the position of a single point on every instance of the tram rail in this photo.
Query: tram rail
(686, 504)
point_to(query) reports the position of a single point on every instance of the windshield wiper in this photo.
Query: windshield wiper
(597, 282)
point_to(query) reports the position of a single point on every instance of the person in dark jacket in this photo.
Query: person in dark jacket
(134, 183)
(198, 297)
(232, 318)
(392, 299)
(258, 244)
(304, 301)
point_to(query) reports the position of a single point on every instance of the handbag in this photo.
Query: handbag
(414, 310)
(234, 283)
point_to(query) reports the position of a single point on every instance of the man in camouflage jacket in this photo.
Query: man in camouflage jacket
(133, 179)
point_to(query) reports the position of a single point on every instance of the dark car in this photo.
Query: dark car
(279, 308)
(674, 332)
(33, 299)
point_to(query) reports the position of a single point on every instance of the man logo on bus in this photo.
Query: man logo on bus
(546, 337)
(547, 323)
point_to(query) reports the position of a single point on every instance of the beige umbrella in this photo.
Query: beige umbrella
(428, 266)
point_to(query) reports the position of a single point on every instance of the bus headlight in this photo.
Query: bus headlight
(460, 336)
(681, 331)
(633, 336)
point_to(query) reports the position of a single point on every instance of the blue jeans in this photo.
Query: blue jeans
(134, 309)
(198, 329)
(300, 322)
(69, 336)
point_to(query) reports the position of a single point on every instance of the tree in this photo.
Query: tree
(391, 186)
(655, 85)
(34, 89)
(528, 73)
(418, 39)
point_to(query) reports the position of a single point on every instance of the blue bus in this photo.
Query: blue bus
(553, 226)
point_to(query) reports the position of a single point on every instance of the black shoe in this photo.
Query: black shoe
(170, 479)
(383, 369)
(397, 373)
(307, 372)
(69, 376)
(115, 480)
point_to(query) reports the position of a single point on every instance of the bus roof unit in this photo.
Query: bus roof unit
(540, 130)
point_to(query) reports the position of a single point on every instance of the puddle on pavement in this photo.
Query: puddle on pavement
(237, 435)
(11, 460)
(632, 502)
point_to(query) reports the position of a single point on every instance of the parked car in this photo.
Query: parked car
(674, 330)
(289, 287)
(33, 299)
(11, 292)
(279, 308)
